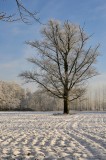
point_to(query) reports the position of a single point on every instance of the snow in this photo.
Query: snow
(44, 136)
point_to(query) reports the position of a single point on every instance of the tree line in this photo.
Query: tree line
(14, 97)
(94, 99)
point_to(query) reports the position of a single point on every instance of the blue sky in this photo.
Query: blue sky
(14, 51)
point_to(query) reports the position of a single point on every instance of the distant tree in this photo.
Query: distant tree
(11, 96)
(63, 63)
(40, 101)
(24, 14)
(104, 97)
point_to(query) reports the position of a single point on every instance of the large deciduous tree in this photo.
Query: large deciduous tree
(63, 61)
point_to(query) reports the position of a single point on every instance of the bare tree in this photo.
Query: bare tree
(23, 14)
(63, 63)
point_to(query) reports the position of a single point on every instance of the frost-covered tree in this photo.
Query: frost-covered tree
(40, 101)
(11, 95)
(63, 61)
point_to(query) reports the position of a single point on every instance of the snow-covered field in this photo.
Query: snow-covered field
(33, 136)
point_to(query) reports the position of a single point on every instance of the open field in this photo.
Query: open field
(32, 136)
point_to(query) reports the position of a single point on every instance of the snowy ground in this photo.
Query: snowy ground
(34, 136)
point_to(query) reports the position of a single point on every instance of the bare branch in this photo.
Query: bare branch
(24, 14)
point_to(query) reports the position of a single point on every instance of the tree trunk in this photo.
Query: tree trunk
(66, 107)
